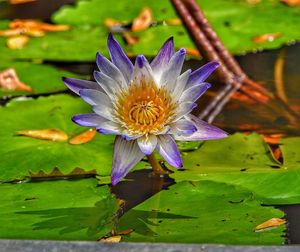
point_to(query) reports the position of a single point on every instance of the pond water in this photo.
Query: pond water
(236, 116)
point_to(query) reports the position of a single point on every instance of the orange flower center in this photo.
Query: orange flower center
(144, 108)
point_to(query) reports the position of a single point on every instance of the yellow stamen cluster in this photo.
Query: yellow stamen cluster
(144, 108)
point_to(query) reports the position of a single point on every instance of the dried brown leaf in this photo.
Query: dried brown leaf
(31, 24)
(143, 20)
(268, 37)
(193, 52)
(274, 222)
(10, 81)
(45, 134)
(130, 38)
(125, 232)
(109, 22)
(84, 137)
(17, 42)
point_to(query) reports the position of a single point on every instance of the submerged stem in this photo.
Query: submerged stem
(157, 169)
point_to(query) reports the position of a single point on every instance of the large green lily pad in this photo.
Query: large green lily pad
(22, 156)
(202, 212)
(245, 161)
(41, 78)
(56, 210)
(236, 22)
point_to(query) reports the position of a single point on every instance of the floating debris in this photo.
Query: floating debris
(112, 239)
(143, 20)
(10, 81)
(274, 222)
(193, 52)
(37, 25)
(291, 2)
(45, 134)
(174, 21)
(268, 37)
(84, 137)
(21, 1)
(130, 38)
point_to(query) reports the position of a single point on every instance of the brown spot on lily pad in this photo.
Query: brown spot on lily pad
(268, 37)
(45, 134)
(10, 81)
(84, 137)
(143, 20)
(274, 222)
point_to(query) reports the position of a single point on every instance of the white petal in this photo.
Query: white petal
(126, 155)
(95, 97)
(105, 111)
(180, 85)
(142, 70)
(168, 149)
(110, 86)
(147, 144)
(109, 127)
(183, 109)
(193, 93)
(183, 127)
(169, 76)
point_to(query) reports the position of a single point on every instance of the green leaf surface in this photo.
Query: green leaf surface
(236, 22)
(202, 212)
(290, 151)
(246, 161)
(80, 43)
(56, 210)
(21, 155)
(42, 78)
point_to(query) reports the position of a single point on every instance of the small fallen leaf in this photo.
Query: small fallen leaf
(193, 52)
(17, 42)
(291, 2)
(10, 81)
(45, 134)
(174, 21)
(273, 138)
(11, 32)
(125, 232)
(274, 222)
(143, 20)
(130, 39)
(112, 239)
(21, 1)
(36, 25)
(84, 137)
(34, 32)
(268, 37)
(109, 22)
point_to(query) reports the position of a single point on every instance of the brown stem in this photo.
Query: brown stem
(157, 169)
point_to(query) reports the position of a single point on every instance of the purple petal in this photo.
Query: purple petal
(142, 69)
(204, 131)
(110, 70)
(164, 55)
(126, 155)
(119, 58)
(109, 127)
(91, 120)
(202, 73)
(95, 97)
(147, 144)
(168, 149)
(170, 75)
(75, 84)
(193, 93)
(183, 127)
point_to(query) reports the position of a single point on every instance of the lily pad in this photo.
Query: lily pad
(41, 78)
(23, 156)
(245, 161)
(236, 22)
(56, 210)
(202, 212)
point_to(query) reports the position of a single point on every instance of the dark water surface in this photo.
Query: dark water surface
(236, 116)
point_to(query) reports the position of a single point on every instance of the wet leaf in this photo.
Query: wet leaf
(45, 134)
(271, 223)
(10, 81)
(201, 212)
(250, 165)
(83, 137)
(56, 210)
(23, 156)
(142, 21)
(17, 42)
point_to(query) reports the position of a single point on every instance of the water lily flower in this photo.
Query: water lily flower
(146, 105)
